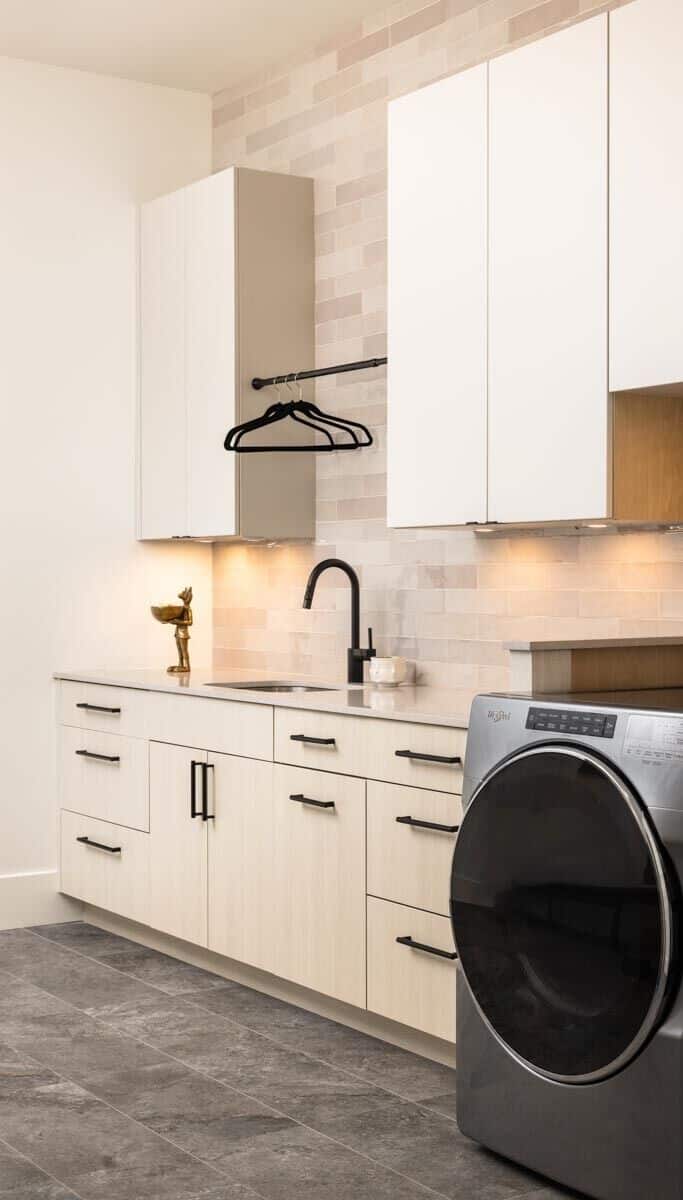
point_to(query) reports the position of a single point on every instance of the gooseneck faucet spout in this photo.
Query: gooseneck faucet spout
(356, 654)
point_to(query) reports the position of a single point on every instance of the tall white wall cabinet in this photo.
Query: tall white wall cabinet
(437, 303)
(548, 278)
(226, 293)
(646, 198)
(558, 189)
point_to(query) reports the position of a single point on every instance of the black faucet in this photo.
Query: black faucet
(356, 654)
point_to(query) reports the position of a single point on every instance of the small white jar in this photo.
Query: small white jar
(388, 672)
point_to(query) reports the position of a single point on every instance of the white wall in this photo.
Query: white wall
(77, 153)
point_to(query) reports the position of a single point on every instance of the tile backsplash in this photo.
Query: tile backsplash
(446, 598)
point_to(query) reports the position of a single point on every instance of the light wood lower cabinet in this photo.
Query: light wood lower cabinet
(104, 775)
(407, 984)
(178, 843)
(240, 860)
(318, 883)
(106, 865)
(411, 835)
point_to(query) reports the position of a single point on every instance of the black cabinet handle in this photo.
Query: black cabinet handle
(301, 799)
(312, 741)
(98, 708)
(206, 815)
(408, 941)
(417, 824)
(455, 761)
(98, 757)
(194, 812)
(86, 841)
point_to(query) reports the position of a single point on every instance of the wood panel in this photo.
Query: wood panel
(647, 436)
(178, 854)
(118, 882)
(241, 872)
(411, 864)
(371, 749)
(111, 791)
(437, 303)
(318, 913)
(409, 985)
(225, 726)
(128, 704)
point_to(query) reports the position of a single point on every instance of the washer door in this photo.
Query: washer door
(562, 914)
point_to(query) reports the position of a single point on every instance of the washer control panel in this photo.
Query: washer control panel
(555, 720)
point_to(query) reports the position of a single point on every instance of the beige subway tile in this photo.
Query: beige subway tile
(541, 18)
(365, 47)
(362, 96)
(426, 18)
(339, 82)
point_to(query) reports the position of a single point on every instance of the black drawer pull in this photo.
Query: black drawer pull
(98, 708)
(206, 815)
(427, 824)
(98, 757)
(194, 811)
(312, 741)
(455, 761)
(86, 841)
(301, 799)
(408, 941)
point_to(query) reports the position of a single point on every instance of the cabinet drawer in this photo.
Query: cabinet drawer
(411, 862)
(109, 709)
(104, 775)
(412, 986)
(225, 726)
(318, 882)
(428, 756)
(115, 878)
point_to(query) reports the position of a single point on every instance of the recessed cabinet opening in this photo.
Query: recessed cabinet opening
(647, 451)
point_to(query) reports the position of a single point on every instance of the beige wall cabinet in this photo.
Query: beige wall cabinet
(226, 293)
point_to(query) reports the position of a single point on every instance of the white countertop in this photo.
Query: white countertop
(424, 705)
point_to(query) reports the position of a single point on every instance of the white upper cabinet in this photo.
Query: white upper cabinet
(646, 194)
(548, 397)
(227, 293)
(437, 303)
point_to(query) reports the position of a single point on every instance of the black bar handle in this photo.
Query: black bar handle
(408, 941)
(417, 824)
(86, 841)
(206, 815)
(98, 708)
(194, 812)
(455, 761)
(98, 757)
(301, 799)
(312, 741)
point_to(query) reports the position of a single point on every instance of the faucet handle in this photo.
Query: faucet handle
(370, 652)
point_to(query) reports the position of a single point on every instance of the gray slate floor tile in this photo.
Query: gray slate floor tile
(20, 1179)
(150, 1182)
(150, 966)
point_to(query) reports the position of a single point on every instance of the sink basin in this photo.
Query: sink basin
(272, 686)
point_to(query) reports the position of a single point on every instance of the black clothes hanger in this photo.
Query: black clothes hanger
(305, 413)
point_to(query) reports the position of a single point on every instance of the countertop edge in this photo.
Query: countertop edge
(338, 702)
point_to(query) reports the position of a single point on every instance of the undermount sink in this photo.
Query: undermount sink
(272, 686)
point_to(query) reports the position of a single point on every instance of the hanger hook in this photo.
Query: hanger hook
(298, 384)
(276, 385)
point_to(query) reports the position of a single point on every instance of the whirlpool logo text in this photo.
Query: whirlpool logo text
(498, 714)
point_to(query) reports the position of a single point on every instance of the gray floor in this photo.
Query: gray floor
(126, 1074)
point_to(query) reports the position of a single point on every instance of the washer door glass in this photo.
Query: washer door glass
(561, 913)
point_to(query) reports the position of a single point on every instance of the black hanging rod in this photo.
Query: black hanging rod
(295, 376)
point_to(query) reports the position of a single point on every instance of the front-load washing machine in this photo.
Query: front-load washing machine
(565, 901)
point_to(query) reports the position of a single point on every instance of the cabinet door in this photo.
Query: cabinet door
(210, 354)
(548, 402)
(646, 195)
(163, 500)
(178, 840)
(318, 910)
(241, 877)
(437, 304)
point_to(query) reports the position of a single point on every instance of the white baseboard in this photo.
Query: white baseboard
(346, 1014)
(32, 899)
